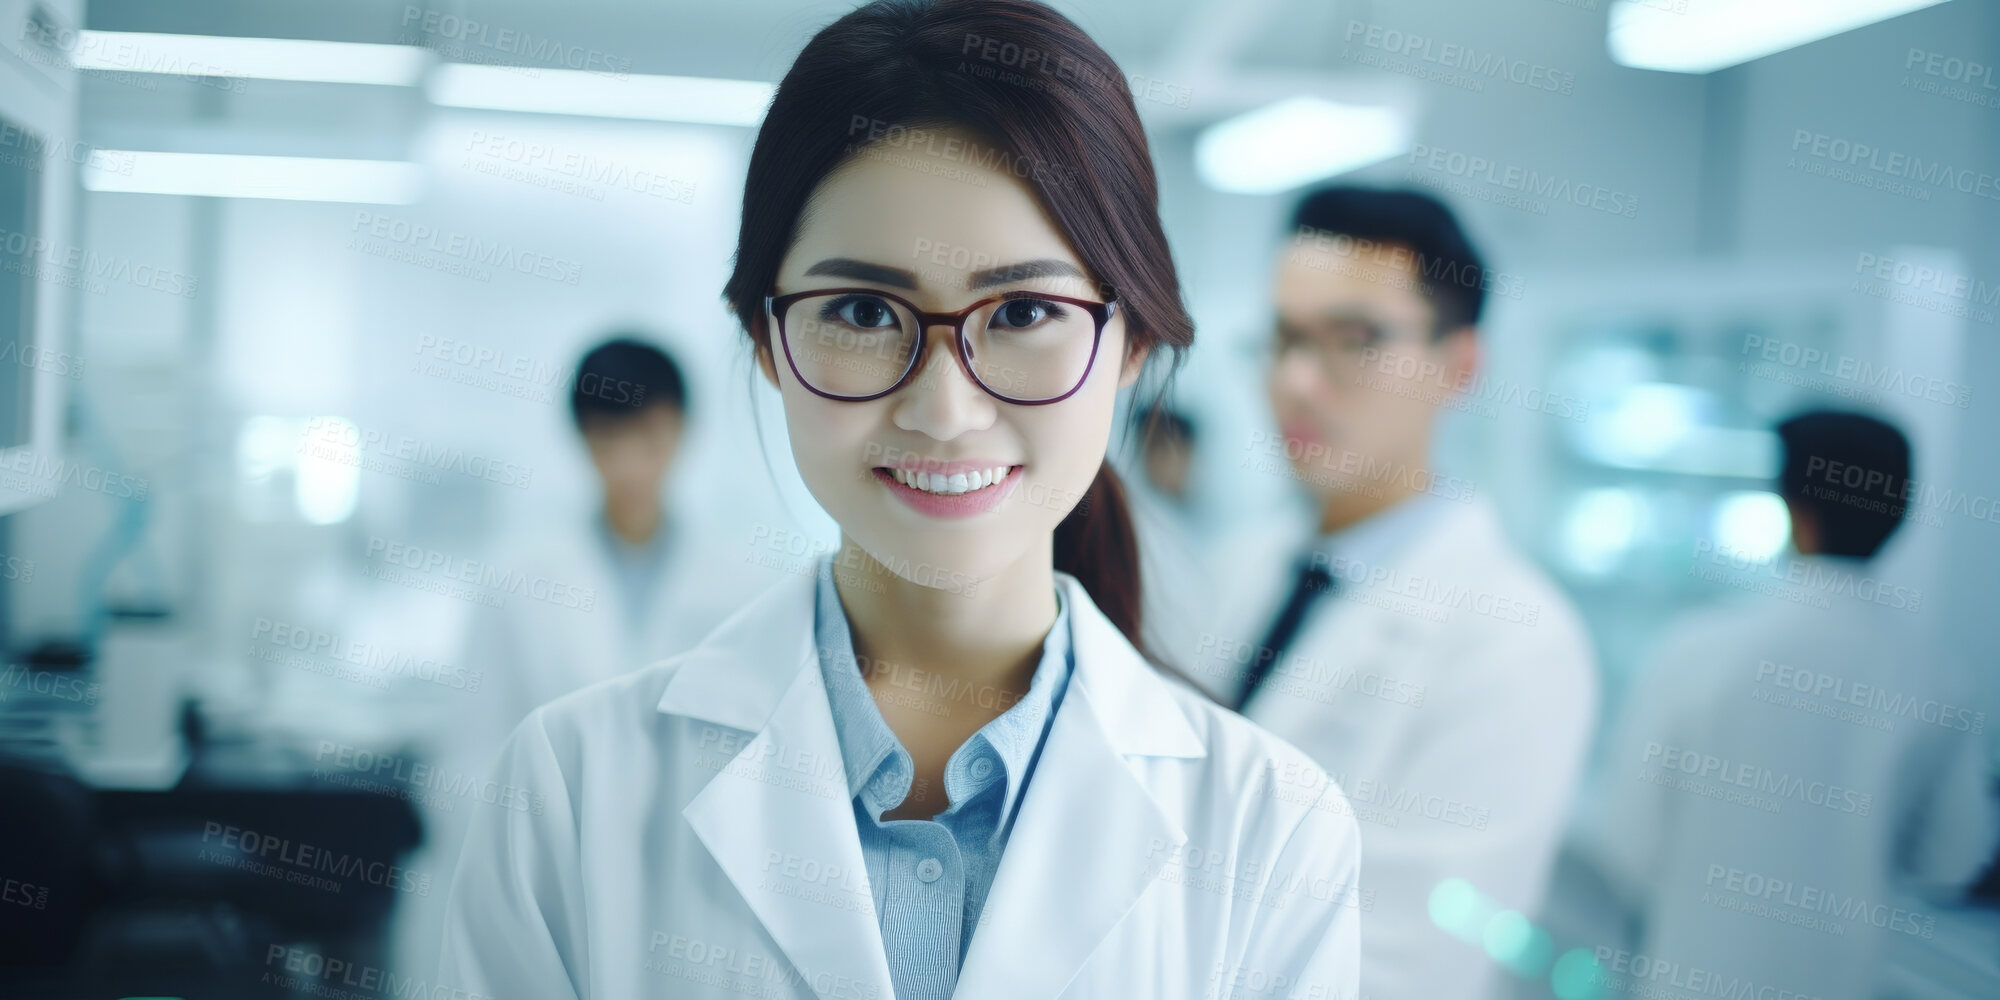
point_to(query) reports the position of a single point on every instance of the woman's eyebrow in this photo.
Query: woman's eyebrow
(861, 270)
(1044, 268)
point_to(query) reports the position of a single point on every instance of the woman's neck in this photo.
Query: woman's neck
(984, 634)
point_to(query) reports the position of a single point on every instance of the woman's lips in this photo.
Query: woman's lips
(951, 505)
(1301, 433)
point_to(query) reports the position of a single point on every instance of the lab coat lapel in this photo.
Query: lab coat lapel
(1088, 839)
(778, 818)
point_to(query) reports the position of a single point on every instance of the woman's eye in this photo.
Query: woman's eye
(1017, 314)
(865, 313)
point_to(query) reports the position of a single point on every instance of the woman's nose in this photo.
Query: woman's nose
(942, 402)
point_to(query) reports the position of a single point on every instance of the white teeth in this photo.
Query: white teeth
(956, 483)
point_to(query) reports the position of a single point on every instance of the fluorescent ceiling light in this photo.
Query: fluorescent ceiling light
(224, 175)
(1702, 36)
(256, 58)
(700, 100)
(1296, 141)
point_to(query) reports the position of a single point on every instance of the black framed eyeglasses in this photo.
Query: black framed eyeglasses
(858, 344)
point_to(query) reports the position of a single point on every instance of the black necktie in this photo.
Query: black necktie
(1313, 583)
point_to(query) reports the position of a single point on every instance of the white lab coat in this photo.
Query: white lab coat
(534, 649)
(1453, 700)
(1800, 802)
(561, 628)
(698, 838)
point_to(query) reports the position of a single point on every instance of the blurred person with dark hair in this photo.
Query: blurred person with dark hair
(1397, 636)
(631, 583)
(1797, 774)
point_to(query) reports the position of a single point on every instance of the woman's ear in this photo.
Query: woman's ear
(1135, 362)
(761, 337)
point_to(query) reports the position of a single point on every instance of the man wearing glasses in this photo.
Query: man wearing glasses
(1400, 640)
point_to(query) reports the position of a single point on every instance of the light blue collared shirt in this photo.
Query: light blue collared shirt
(1351, 552)
(636, 569)
(930, 877)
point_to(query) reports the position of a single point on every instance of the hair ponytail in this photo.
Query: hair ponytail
(1097, 544)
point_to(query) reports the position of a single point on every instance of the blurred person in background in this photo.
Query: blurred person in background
(1787, 783)
(1169, 454)
(1399, 638)
(1168, 526)
(643, 590)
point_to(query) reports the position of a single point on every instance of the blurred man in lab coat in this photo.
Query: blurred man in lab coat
(1795, 773)
(636, 584)
(1397, 636)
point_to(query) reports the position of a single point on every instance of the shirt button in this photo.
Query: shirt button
(929, 869)
(981, 768)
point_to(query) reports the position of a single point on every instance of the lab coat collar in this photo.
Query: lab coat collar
(737, 675)
(1086, 841)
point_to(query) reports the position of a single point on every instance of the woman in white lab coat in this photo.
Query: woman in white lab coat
(950, 262)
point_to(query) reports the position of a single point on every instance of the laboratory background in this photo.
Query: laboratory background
(294, 299)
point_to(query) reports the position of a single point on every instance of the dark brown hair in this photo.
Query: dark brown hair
(1057, 114)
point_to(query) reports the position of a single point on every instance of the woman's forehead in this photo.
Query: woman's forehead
(914, 211)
